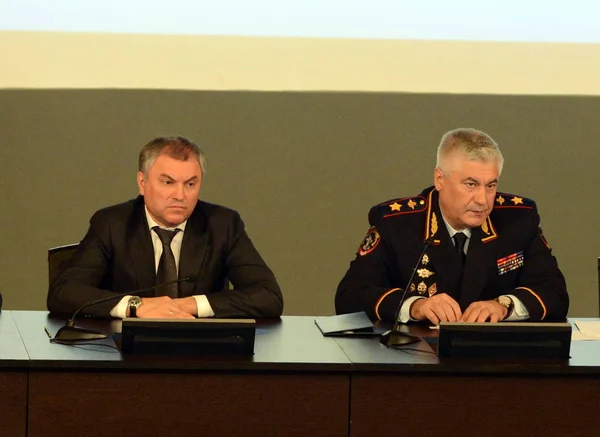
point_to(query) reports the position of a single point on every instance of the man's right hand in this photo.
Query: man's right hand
(162, 307)
(437, 308)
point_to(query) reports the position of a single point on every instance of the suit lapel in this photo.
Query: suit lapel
(141, 251)
(444, 261)
(480, 261)
(441, 252)
(196, 240)
(479, 265)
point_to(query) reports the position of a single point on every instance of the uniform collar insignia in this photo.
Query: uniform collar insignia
(488, 230)
(431, 225)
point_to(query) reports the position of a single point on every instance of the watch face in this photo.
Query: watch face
(135, 301)
(504, 301)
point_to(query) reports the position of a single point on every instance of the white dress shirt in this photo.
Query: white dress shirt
(204, 308)
(519, 311)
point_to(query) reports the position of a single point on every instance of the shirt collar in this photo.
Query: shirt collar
(452, 231)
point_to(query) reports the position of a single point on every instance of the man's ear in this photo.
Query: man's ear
(438, 178)
(141, 181)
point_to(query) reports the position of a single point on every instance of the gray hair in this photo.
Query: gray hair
(179, 148)
(474, 145)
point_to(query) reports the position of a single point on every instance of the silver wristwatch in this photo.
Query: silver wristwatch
(134, 303)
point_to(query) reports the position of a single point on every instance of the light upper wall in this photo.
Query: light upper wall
(134, 61)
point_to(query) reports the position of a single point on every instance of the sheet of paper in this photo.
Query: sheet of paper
(588, 330)
(578, 335)
(590, 327)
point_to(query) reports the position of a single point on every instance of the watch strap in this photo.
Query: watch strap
(134, 304)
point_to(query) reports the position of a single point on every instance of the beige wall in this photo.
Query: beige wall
(302, 169)
(85, 60)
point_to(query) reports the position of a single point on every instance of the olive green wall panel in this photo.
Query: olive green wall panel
(303, 169)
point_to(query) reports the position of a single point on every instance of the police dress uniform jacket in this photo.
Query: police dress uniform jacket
(117, 256)
(507, 254)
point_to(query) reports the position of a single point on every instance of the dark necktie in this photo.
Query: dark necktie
(167, 270)
(459, 245)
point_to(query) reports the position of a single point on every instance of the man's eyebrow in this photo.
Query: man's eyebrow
(192, 179)
(472, 179)
(164, 175)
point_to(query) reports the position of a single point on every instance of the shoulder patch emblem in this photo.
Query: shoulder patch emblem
(370, 242)
(405, 205)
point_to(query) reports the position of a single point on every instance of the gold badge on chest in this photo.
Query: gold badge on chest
(425, 273)
(432, 289)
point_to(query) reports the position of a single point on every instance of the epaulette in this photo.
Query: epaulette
(505, 200)
(406, 205)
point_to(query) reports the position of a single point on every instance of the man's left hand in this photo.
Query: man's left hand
(483, 311)
(187, 304)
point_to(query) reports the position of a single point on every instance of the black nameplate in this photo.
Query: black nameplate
(505, 340)
(193, 337)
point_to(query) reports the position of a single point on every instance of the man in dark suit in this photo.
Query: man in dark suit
(486, 258)
(164, 234)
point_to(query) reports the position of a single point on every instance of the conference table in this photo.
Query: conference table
(14, 362)
(297, 383)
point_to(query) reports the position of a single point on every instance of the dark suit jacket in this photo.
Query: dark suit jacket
(507, 254)
(117, 256)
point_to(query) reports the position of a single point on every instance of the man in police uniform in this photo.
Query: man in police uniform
(485, 259)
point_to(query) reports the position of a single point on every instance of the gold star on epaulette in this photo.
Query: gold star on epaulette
(405, 205)
(505, 200)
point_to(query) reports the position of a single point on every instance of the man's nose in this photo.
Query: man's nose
(479, 196)
(178, 192)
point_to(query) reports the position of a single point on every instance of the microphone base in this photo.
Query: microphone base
(71, 334)
(394, 338)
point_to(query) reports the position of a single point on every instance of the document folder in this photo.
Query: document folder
(344, 325)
